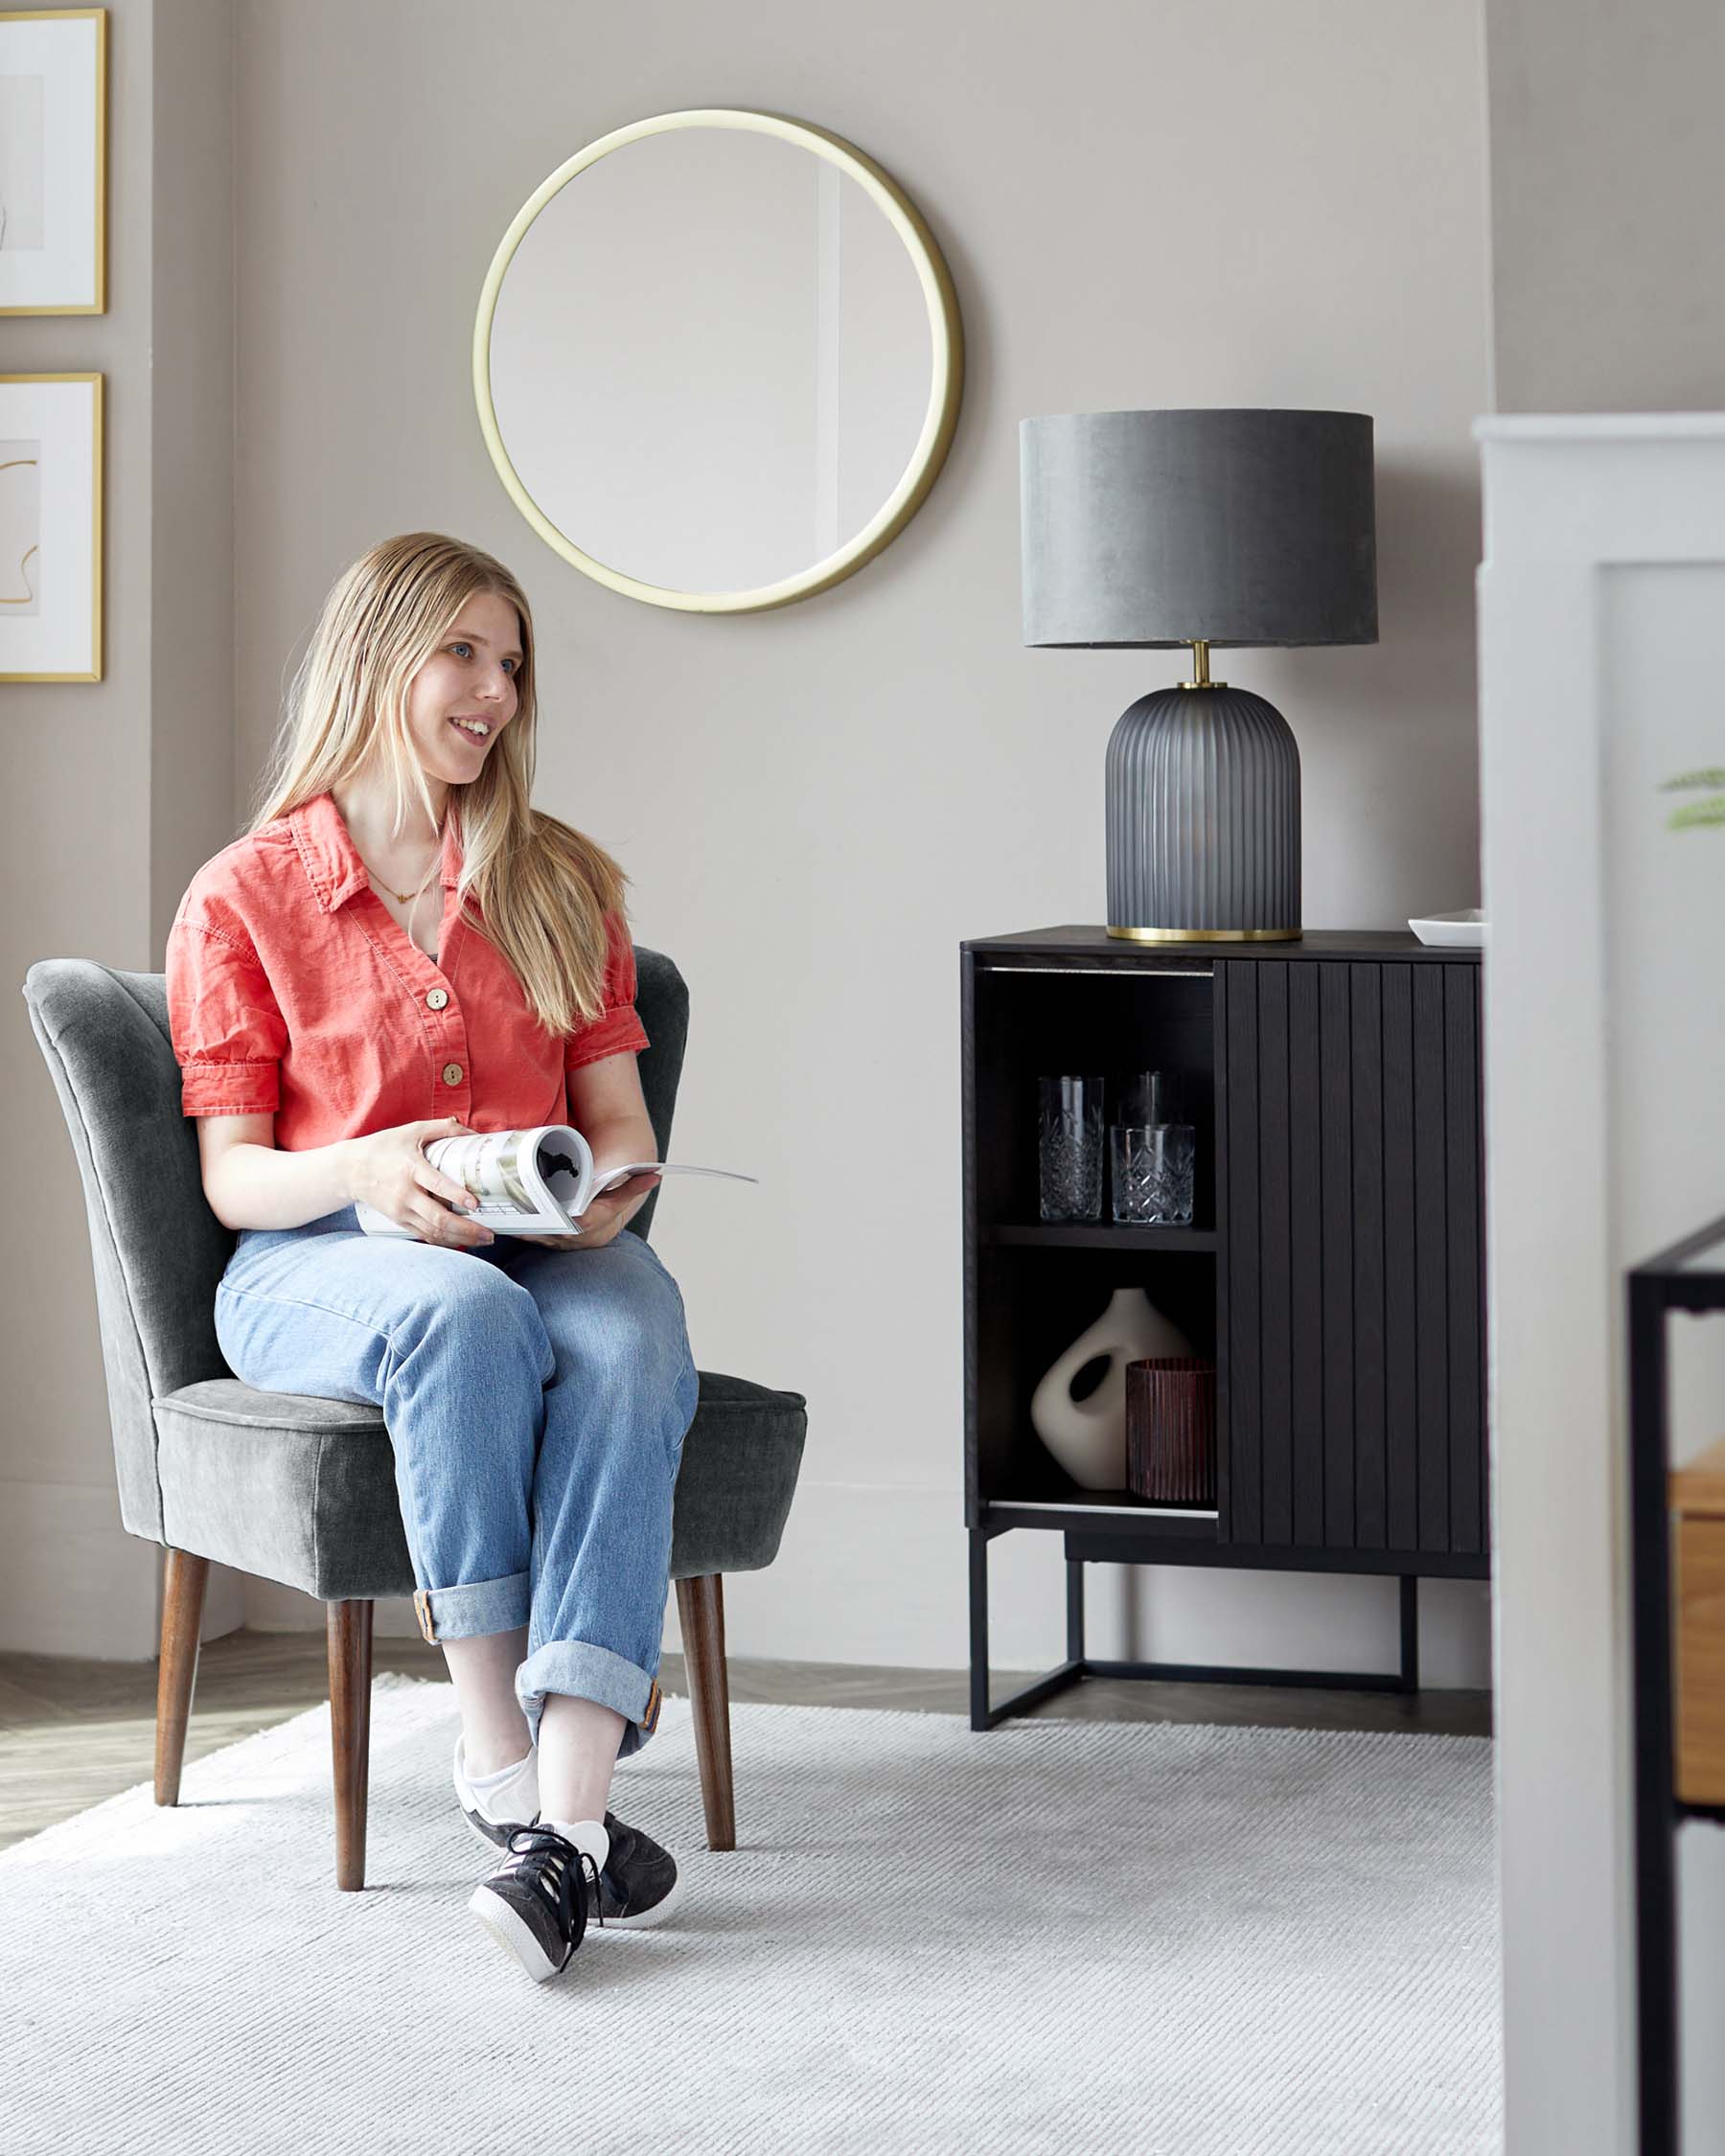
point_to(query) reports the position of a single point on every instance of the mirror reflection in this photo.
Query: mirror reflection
(710, 360)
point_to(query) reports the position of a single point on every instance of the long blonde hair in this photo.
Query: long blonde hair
(543, 887)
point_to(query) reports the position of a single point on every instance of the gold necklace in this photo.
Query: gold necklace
(402, 897)
(418, 891)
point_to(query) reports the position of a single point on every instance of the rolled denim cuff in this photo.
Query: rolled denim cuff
(588, 1672)
(481, 1605)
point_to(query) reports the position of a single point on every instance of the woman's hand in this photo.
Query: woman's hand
(604, 1219)
(388, 1169)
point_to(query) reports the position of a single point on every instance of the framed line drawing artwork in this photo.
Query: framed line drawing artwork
(51, 527)
(53, 161)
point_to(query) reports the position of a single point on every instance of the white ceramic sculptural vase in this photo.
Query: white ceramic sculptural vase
(1088, 1437)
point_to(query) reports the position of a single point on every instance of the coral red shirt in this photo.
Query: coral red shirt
(293, 990)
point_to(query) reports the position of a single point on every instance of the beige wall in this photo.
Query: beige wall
(1199, 205)
(191, 646)
(192, 649)
(1607, 180)
(76, 815)
(118, 788)
(1192, 205)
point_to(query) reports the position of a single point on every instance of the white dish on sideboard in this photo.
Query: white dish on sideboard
(1463, 929)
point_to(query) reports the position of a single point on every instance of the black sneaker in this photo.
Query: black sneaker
(536, 1902)
(640, 1884)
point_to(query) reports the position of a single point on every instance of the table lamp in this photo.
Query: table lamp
(1215, 528)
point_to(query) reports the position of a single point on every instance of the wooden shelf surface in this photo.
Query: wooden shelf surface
(1698, 1628)
(1697, 1489)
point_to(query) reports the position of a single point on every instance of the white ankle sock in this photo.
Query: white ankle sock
(481, 1784)
(588, 1835)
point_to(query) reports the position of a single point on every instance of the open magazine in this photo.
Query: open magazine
(528, 1183)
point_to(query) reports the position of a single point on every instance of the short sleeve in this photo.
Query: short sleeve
(618, 1028)
(227, 1030)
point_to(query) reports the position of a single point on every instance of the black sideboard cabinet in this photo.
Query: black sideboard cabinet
(1334, 1268)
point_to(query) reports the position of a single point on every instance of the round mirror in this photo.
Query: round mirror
(718, 360)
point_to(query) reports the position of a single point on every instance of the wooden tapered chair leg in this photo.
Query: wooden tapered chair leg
(182, 1618)
(350, 1626)
(701, 1612)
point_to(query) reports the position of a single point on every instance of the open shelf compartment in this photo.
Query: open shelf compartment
(1032, 1303)
(1118, 1021)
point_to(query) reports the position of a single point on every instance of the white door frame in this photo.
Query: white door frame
(1571, 502)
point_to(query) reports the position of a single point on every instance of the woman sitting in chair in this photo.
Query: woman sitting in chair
(398, 948)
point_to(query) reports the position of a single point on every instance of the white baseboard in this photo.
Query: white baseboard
(867, 1575)
(72, 1580)
(225, 1602)
(874, 1575)
(271, 1607)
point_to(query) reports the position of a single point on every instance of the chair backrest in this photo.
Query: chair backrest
(158, 1249)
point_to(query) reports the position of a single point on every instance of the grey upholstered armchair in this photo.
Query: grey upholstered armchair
(302, 1489)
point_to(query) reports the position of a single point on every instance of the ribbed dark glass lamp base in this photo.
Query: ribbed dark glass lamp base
(1202, 808)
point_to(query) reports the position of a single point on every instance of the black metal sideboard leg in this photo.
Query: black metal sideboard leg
(983, 1717)
(1409, 1632)
(1080, 1665)
(1653, 1733)
(978, 1628)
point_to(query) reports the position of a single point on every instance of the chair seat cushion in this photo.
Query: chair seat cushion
(299, 1488)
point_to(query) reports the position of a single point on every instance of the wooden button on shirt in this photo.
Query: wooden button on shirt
(294, 991)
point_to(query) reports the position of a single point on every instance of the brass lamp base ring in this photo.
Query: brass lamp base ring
(1208, 935)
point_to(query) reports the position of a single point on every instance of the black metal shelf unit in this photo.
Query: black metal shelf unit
(1688, 1278)
(1334, 1267)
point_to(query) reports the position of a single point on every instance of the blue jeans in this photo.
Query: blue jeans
(537, 1401)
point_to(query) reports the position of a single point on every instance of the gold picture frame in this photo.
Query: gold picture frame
(69, 631)
(36, 151)
(940, 418)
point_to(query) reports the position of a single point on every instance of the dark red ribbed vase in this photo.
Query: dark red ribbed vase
(1171, 1430)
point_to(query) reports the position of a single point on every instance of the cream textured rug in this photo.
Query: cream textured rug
(1073, 1937)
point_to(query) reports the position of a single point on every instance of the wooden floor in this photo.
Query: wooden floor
(76, 1732)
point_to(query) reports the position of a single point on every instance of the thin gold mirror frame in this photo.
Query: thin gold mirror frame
(946, 373)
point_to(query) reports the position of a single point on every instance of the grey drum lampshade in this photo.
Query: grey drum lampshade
(1215, 528)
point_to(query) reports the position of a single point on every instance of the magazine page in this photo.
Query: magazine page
(611, 1177)
(528, 1183)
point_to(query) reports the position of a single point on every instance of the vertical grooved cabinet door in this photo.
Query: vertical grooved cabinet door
(1401, 1379)
(1464, 1172)
(1349, 1207)
(1332, 1244)
(1276, 1274)
(1241, 1509)
(1371, 1436)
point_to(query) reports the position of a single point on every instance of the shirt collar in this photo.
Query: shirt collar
(331, 860)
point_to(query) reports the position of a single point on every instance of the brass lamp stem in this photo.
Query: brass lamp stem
(1201, 673)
